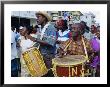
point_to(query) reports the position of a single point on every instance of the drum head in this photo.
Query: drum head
(69, 60)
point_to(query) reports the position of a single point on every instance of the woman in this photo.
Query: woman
(86, 31)
(63, 33)
(25, 44)
(95, 43)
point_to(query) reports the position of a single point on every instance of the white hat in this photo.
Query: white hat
(21, 27)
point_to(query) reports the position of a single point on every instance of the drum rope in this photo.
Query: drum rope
(67, 45)
(85, 48)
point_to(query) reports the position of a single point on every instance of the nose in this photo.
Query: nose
(36, 18)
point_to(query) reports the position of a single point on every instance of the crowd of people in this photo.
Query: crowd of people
(55, 41)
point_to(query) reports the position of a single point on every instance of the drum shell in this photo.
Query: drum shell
(34, 62)
(68, 70)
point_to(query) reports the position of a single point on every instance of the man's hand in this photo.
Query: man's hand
(30, 37)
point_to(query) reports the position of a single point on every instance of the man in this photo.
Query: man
(46, 37)
(14, 64)
(75, 45)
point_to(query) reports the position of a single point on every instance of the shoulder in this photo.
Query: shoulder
(86, 40)
(12, 33)
(51, 27)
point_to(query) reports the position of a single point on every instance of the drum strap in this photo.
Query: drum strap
(67, 45)
(85, 48)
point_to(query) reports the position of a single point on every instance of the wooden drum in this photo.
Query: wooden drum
(69, 66)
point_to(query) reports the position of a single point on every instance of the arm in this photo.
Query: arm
(12, 37)
(36, 40)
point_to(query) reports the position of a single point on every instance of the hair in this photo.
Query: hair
(86, 27)
(29, 29)
(13, 28)
(65, 24)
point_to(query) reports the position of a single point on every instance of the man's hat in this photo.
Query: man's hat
(45, 14)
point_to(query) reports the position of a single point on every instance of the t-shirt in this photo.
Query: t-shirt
(25, 43)
(13, 46)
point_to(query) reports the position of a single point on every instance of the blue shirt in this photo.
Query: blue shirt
(50, 38)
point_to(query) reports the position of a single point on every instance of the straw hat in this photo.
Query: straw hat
(44, 13)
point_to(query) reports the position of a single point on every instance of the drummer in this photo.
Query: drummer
(46, 37)
(63, 33)
(75, 45)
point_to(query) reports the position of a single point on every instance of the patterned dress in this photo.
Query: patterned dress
(76, 47)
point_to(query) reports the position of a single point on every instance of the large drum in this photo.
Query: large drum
(34, 62)
(69, 66)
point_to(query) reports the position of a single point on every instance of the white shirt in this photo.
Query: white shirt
(62, 35)
(13, 46)
(25, 43)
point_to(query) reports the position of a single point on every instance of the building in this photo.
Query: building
(54, 15)
(70, 16)
(29, 18)
(23, 18)
(75, 16)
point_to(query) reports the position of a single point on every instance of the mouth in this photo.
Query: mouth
(37, 21)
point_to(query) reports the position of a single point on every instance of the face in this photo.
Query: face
(76, 29)
(92, 28)
(22, 31)
(40, 19)
(83, 25)
(59, 24)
